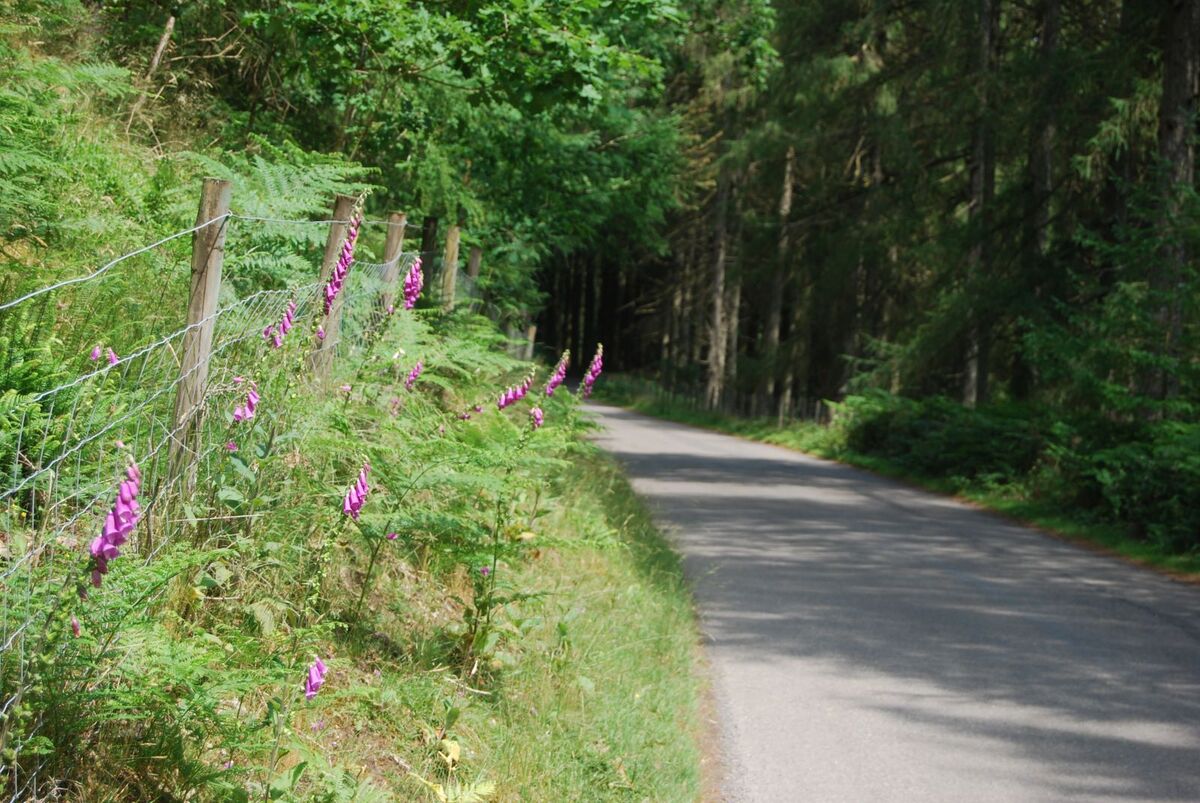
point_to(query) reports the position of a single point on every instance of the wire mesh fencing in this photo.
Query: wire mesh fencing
(76, 413)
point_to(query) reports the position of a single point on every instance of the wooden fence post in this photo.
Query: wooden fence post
(208, 252)
(321, 358)
(450, 267)
(530, 339)
(393, 246)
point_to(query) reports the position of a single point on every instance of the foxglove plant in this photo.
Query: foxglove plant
(342, 268)
(95, 355)
(560, 373)
(413, 283)
(244, 412)
(414, 374)
(515, 393)
(353, 502)
(314, 678)
(113, 359)
(593, 371)
(118, 524)
(276, 332)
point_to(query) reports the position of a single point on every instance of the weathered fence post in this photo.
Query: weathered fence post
(450, 267)
(530, 339)
(393, 246)
(208, 252)
(321, 359)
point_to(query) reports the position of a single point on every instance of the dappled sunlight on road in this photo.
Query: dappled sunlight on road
(873, 642)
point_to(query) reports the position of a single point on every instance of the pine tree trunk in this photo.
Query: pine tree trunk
(715, 386)
(778, 282)
(1176, 131)
(1041, 178)
(983, 182)
(732, 324)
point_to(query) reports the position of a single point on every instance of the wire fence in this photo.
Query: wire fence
(75, 412)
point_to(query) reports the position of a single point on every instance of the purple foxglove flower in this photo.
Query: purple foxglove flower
(560, 373)
(270, 328)
(75, 626)
(412, 284)
(485, 570)
(391, 308)
(356, 497)
(95, 355)
(479, 408)
(113, 359)
(414, 374)
(515, 393)
(345, 389)
(392, 536)
(244, 412)
(320, 333)
(338, 275)
(237, 380)
(231, 446)
(314, 678)
(464, 416)
(118, 524)
(537, 417)
(593, 371)
(276, 332)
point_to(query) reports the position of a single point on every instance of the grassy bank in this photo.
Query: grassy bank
(1035, 496)
(592, 695)
(499, 619)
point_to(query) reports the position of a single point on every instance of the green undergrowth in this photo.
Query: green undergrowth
(501, 623)
(593, 696)
(1041, 473)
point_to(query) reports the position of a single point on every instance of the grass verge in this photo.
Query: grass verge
(595, 698)
(1010, 501)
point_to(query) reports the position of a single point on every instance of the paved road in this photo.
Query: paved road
(870, 642)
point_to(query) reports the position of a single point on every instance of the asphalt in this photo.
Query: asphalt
(872, 642)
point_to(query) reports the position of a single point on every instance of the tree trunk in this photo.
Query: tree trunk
(778, 281)
(715, 386)
(163, 41)
(983, 183)
(1176, 132)
(732, 323)
(1041, 180)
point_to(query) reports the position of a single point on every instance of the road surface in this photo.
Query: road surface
(871, 642)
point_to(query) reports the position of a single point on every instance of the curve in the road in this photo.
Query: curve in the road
(871, 642)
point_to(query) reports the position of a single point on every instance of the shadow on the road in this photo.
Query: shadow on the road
(1079, 663)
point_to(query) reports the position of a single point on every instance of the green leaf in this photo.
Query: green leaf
(231, 495)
